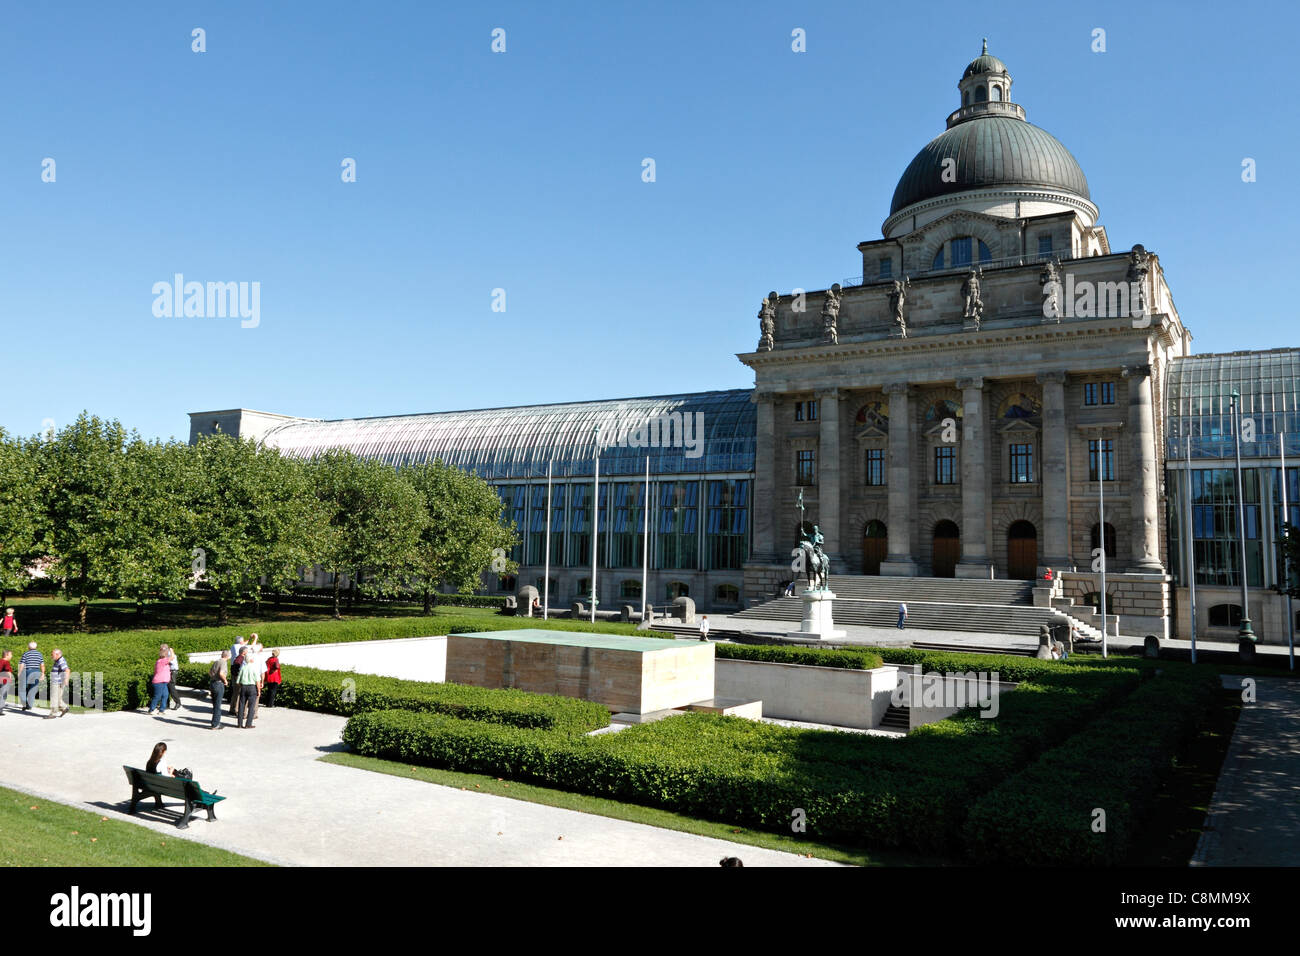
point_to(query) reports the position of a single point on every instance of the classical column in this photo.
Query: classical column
(975, 561)
(763, 506)
(1053, 454)
(829, 477)
(1144, 492)
(900, 560)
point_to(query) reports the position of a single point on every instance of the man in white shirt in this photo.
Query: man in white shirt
(704, 628)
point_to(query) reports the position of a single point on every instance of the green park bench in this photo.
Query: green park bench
(158, 786)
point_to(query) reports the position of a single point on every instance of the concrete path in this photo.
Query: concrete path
(286, 806)
(1254, 819)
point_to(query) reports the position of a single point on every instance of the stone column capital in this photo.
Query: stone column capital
(1137, 371)
(829, 394)
(894, 388)
(1054, 377)
(976, 381)
(767, 396)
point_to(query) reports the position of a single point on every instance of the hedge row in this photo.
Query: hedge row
(855, 788)
(125, 658)
(814, 656)
(1046, 813)
(347, 693)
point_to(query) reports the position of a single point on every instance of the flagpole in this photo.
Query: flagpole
(595, 521)
(1191, 549)
(645, 539)
(1101, 497)
(546, 580)
(1286, 550)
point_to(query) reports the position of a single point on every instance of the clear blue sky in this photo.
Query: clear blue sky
(523, 171)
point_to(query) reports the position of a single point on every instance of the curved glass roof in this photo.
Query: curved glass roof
(1198, 390)
(695, 433)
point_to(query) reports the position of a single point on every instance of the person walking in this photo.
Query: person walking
(902, 615)
(249, 687)
(273, 677)
(162, 674)
(9, 627)
(7, 680)
(236, 662)
(58, 681)
(173, 698)
(31, 670)
(218, 678)
(704, 628)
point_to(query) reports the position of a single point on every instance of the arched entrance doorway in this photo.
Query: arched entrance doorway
(875, 545)
(1022, 551)
(947, 550)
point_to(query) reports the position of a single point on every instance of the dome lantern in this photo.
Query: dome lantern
(985, 80)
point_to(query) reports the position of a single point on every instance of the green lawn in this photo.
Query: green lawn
(37, 832)
(651, 816)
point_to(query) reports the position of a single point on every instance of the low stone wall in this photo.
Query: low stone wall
(1142, 601)
(821, 695)
(931, 697)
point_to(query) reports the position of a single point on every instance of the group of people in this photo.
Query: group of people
(30, 677)
(247, 678)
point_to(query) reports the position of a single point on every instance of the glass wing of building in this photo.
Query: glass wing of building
(1201, 441)
(690, 434)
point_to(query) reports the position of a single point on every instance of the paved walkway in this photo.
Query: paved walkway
(1254, 819)
(287, 806)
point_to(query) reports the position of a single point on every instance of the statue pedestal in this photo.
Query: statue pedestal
(817, 622)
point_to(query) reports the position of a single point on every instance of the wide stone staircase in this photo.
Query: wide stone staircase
(941, 604)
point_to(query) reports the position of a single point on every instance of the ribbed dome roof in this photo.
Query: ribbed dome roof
(990, 150)
(986, 63)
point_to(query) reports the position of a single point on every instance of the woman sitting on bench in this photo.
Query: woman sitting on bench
(159, 751)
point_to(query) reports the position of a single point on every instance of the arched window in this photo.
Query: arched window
(726, 594)
(1225, 615)
(938, 259)
(997, 93)
(981, 94)
(584, 589)
(1110, 540)
(965, 98)
(506, 583)
(967, 249)
(678, 589)
(630, 588)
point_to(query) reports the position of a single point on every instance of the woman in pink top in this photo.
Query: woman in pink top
(162, 675)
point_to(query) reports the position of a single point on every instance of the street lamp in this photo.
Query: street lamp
(1245, 636)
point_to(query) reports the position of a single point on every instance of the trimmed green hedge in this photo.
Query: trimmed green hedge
(855, 788)
(126, 657)
(814, 656)
(322, 691)
(1045, 813)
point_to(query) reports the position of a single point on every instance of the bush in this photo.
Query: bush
(815, 656)
(1044, 814)
(322, 691)
(126, 657)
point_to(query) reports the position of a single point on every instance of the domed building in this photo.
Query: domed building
(997, 394)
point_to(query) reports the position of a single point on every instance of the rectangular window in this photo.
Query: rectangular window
(677, 543)
(726, 532)
(1108, 393)
(805, 469)
(812, 411)
(1022, 463)
(1045, 246)
(798, 411)
(945, 459)
(1090, 393)
(875, 466)
(886, 268)
(1107, 448)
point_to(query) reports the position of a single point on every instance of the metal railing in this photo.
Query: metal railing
(1006, 262)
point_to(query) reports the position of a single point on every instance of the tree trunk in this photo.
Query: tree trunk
(139, 609)
(223, 614)
(428, 602)
(338, 616)
(81, 613)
